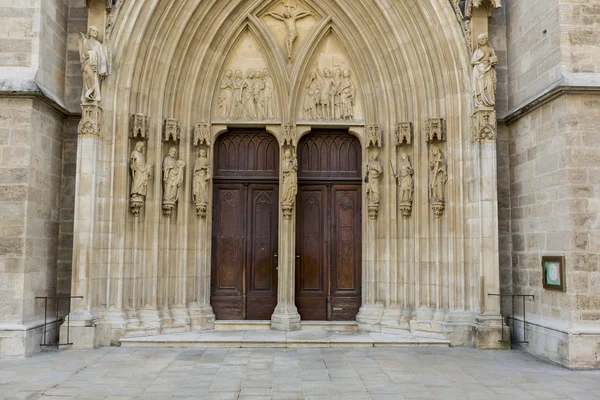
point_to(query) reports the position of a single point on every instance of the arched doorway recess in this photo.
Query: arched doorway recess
(328, 227)
(245, 225)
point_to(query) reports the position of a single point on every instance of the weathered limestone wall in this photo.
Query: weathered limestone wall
(33, 196)
(554, 163)
(30, 179)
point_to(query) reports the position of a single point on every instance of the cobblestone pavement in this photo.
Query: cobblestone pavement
(350, 373)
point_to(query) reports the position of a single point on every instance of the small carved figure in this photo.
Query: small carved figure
(374, 171)
(337, 98)
(289, 17)
(140, 173)
(95, 66)
(484, 63)
(268, 85)
(290, 183)
(347, 93)
(328, 88)
(313, 95)
(248, 96)
(437, 183)
(405, 179)
(238, 101)
(172, 177)
(226, 97)
(259, 95)
(201, 178)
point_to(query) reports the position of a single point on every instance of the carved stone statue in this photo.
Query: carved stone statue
(313, 96)
(238, 101)
(172, 180)
(347, 93)
(289, 18)
(328, 88)
(405, 184)
(268, 95)
(202, 176)
(226, 97)
(484, 74)
(94, 65)
(140, 173)
(374, 171)
(338, 110)
(290, 183)
(437, 181)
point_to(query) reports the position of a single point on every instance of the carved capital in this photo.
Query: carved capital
(92, 120)
(435, 130)
(168, 207)
(172, 130)
(289, 134)
(202, 134)
(136, 203)
(404, 133)
(405, 208)
(139, 126)
(287, 210)
(438, 208)
(201, 210)
(373, 211)
(374, 137)
(484, 125)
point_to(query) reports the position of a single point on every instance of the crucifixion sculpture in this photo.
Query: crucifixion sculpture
(289, 17)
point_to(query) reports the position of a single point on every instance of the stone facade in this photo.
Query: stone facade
(477, 203)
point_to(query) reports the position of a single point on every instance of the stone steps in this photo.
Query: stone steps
(266, 325)
(269, 338)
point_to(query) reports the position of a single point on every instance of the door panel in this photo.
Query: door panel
(262, 247)
(311, 239)
(228, 251)
(346, 253)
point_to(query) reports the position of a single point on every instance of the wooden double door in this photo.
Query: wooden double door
(245, 226)
(328, 227)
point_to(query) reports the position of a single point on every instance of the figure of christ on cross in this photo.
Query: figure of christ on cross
(289, 18)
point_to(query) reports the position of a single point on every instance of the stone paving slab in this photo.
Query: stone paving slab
(275, 339)
(292, 374)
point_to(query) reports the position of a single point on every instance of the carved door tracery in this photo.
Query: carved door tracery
(245, 226)
(328, 238)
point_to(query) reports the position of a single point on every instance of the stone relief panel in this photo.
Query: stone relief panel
(245, 90)
(290, 23)
(329, 91)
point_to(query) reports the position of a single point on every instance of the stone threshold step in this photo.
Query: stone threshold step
(302, 338)
(243, 325)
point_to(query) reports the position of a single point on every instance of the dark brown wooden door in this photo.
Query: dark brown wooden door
(244, 230)
(328, 237)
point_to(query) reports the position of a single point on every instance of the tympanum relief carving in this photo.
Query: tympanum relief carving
(248, 96)
(330, 95)
(290, 183)
(172, 180)
(437, 181)
(140, 173)
(202, 176)
(373, 175)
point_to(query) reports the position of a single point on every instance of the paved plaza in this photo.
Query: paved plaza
(310, 373)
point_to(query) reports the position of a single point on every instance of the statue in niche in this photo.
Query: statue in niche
(437, 182)
(313, 95)
(374, 171)
(238, 88)
(225, 100)
(172, 180)
(405, 184)
(95, 65)
(269, 88)
(328, 88)
(201, 178)
(290, 183)
(140, 173)
(484, 63)
(289, 17)
(347, 93)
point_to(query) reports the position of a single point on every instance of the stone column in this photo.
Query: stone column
(82, 323)
(201, 312)
(489, 323)
(286, 317)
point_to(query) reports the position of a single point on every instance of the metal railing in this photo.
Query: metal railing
(58, 320)
(512, 318)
